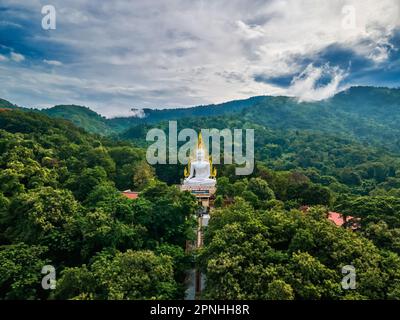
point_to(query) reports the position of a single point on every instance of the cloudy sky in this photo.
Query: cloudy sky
(115, 55)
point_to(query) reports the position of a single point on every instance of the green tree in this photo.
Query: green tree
(43, 216)
(261, 189)
(20, 271)
(131, 275)
(83, 183)
(167, 213)
(279, 290)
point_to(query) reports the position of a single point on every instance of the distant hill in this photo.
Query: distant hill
(368, 114)
(157, 115)
(81, 116)
(95, 123)
(7, 105)
(371, 115)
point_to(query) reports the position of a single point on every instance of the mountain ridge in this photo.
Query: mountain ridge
(360, 110)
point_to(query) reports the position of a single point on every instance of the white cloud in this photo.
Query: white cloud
(17, 57)
(53, 62)
(138, 113)
(3, 58)
(250, 32)
(10, 24)
(306, 86)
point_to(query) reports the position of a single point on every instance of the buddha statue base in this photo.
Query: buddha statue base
(204, 182)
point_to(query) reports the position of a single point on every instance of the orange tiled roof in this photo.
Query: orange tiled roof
(337, 218)
(131, 194)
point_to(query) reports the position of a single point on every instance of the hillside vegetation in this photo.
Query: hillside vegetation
(60, 203)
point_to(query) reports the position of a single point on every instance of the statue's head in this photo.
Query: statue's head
(200, 155)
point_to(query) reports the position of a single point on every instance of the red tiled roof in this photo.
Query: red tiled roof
(338, 218)
(131, 194)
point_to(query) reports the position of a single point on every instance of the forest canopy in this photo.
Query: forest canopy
(61, 203)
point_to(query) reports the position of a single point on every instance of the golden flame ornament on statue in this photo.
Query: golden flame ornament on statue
(187, 170)
(200, 141)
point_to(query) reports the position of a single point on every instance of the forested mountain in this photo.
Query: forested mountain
(6, 104)
(95, 123)
(367, 114)
(82, 117)
(157, 115)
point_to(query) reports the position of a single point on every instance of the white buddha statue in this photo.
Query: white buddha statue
(200, 170)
